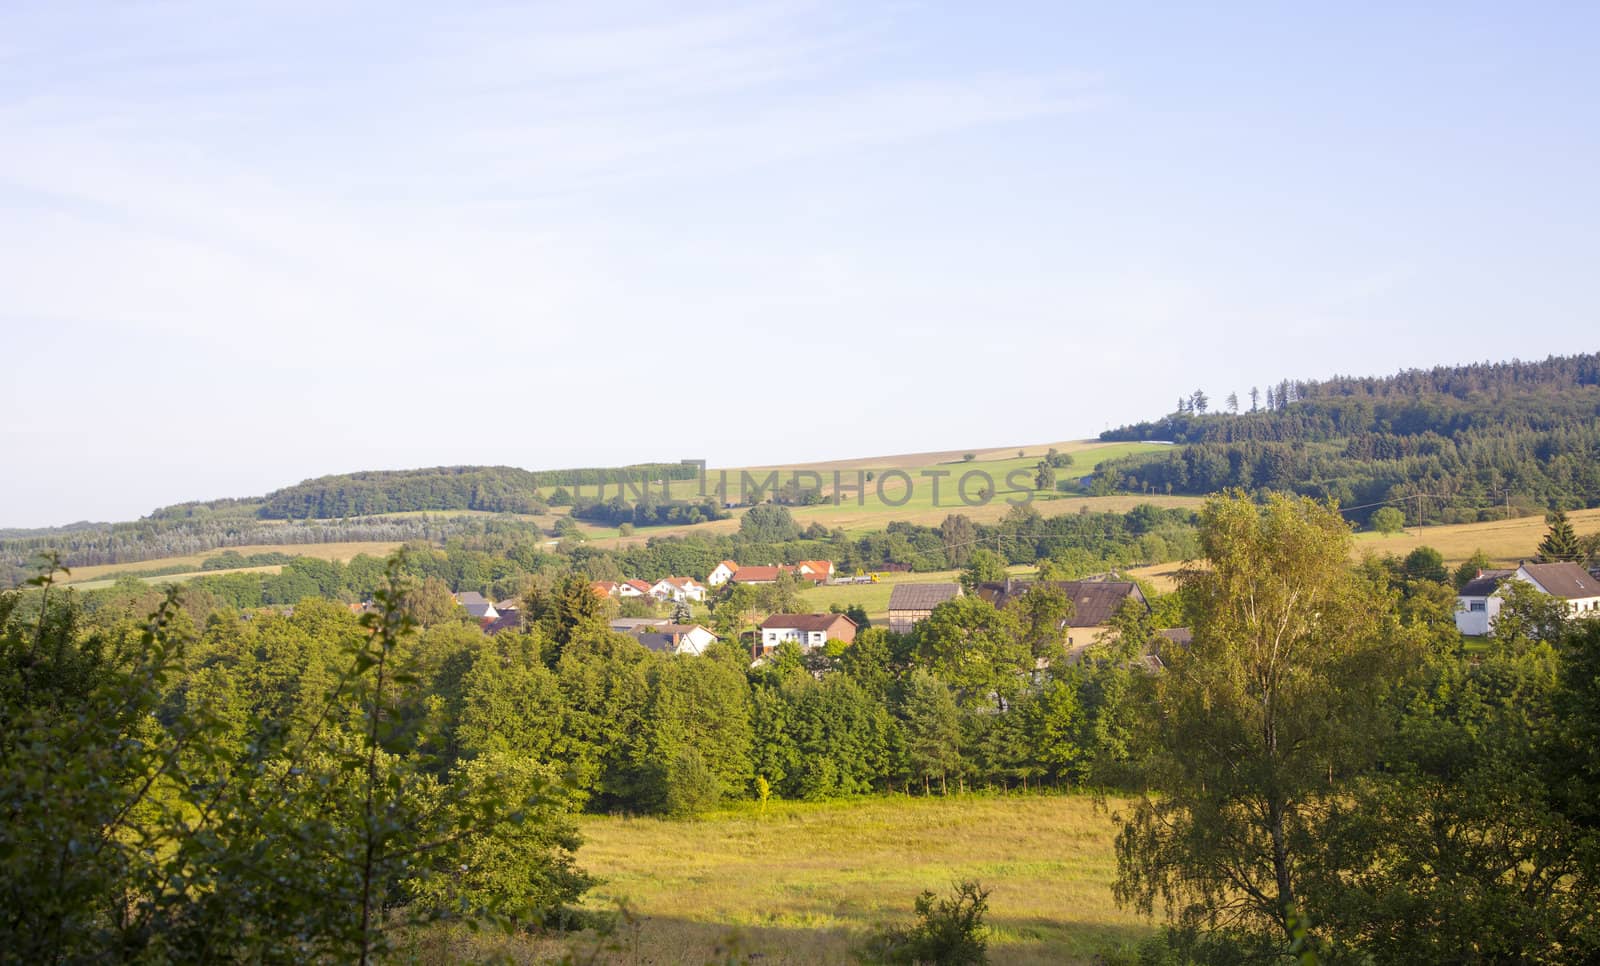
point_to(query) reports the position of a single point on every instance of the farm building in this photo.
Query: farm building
(910, 604)
(1094, 603)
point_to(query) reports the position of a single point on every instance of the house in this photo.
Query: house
(678, 589)
(477, 605)
(633, 588)
(605, 588)
(1478, 603)
(510, 619)
(808, 630)
(691, 639)
(819, 571)
(630, 625)
(721, 574)
(1094, 604)
(756, 575)
(910, 604)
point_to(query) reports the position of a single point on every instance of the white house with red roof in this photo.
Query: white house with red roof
(721, 573)
(678, 589)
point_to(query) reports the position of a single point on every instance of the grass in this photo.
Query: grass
(1503, 541)
(341, 552)
(803, 882)
(874, 598)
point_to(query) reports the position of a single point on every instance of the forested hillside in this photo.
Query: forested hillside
(329, 509)
(497, 489)
(1450, 444)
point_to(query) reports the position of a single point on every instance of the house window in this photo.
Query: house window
(1478, 606)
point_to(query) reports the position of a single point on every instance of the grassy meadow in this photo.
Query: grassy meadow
(804, 881)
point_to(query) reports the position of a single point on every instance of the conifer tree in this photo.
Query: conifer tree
(1560, 543)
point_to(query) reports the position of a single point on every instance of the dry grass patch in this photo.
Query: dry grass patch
(803, 882)
(1504, 541)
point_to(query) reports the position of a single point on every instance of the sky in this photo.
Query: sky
(246, 244)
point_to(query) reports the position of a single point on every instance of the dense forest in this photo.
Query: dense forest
(496, 489)
(1450, 444)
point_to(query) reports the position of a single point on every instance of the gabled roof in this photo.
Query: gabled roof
(467, 598)
(1566, 580)
(509, 621)
(729, 564)
(638, 585)
(1094, 602)
(627, 625)
(921, 596)
(1485, 583)
(1181, 636)
(807, 623)
(816, 566)
(756, 575)
(682, 582)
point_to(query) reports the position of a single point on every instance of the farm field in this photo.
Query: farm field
(802, 883)
(341, 552)
(1504, 541)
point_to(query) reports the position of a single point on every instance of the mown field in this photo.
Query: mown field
(803, 882)
(342, 552)
(1504, 541)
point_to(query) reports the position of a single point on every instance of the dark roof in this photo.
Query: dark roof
(1181, 636)
(1485, 583)
(921, 596)
(511, 620)
(1566, 580)
(469, 597)
(806, 622)
(1094, 602)
(660, 643)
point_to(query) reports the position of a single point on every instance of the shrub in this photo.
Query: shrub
(948, 931)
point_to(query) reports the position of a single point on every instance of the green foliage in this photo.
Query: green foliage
(1426, 563)
(983, 566)
(1560, 543)
(1496, 438)
(1281, 692)
(160, 809)
(1388, 519)
(768, 523)
(948, 931)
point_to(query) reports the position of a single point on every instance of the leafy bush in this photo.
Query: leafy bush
(948, 931)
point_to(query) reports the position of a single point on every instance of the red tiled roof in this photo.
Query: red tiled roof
(806, 622)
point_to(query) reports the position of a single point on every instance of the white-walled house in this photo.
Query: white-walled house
(808, 630)
(722, 574)
(678, 589)
(690, 639)
(1478, 603)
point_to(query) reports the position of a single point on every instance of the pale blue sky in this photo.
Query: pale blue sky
(243, 244)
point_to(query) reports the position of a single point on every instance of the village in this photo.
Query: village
(1094, 604)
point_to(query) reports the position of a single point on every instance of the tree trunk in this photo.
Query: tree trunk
(1280, 862)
